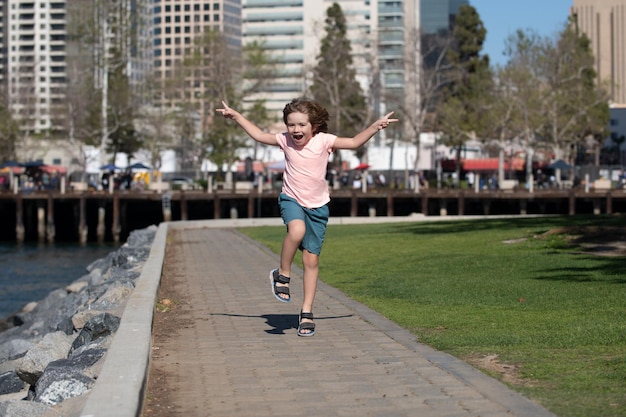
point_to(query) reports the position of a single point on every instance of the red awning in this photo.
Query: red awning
(491, 164)
(53, 169)
(257, 166)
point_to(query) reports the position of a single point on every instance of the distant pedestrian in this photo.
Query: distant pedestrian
(304, 196)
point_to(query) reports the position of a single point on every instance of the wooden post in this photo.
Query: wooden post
(572, 202)
(115, 228)
(82, 220)
(523, 207)
(101, 226)
(41, 222)
(251, 203)
(596, 206)
(183, 206)
(166, 207)
(372, 209)
(443, 207)
(354, 209)
(19, 219)
(216, 205)
(609, 203)
(486, 207)
(50, 226)
(389, 204)
(461, 203)
(425, 204)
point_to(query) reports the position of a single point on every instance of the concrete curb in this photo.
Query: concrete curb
(119, 389)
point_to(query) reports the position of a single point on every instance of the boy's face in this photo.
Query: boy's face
(299, 128)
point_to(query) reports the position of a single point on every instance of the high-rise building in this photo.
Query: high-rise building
(603, 21)
(404, 27)
(177, 28)
(37, 44)
(291, 30)
(33, 72)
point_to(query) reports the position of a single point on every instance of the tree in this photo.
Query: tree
(460, 114)
(96, 58)
(258, 115)
(334, 83)
(574, 104)
(9, 131)
(122, 136)
(519, 91)
(156, 129)
(212, 72)
(429, 73)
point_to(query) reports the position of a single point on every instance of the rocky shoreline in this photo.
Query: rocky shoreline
(52, 351)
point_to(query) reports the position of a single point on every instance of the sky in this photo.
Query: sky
(502, 18)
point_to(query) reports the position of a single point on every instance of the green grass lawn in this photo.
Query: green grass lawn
(553, 316)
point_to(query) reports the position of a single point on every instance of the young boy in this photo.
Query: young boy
(304, 196)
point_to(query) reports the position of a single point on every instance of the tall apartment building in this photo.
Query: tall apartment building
(177, 27)
(33, 72)
(403, 28)
(604, 22)
(291, 30)
(35, 44)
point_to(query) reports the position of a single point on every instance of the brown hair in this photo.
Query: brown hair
(318, 115)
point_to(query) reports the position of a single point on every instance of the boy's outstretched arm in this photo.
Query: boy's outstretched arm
(362, 137)
(251, 129)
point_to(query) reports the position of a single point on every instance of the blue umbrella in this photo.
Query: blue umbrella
(109, 167)
(139, 165)
(10, 164)
(33, 164)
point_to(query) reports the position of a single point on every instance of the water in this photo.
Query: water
(29, 272)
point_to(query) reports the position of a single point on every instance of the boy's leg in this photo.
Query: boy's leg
(291, 243)
(310, 262)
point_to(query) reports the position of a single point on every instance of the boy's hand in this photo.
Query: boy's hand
(227, 112)
(384, 121)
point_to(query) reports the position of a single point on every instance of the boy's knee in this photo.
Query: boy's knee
(309, 259)
(296, 228)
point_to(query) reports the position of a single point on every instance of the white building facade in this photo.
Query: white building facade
(291, 30)
(33, 61)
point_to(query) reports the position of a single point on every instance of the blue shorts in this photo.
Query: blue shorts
(315, 221)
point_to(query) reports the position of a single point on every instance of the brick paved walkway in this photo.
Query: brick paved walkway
(239, 355)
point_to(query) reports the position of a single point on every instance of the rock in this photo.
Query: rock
(83, 359)
(100, 326)
(116, 295)
(52, 301)
(18, 408)
(82, 317)
(15, 348)
(95, 277)
(46, 368)
(7, 366)
(29, 307)
(54, 346)
(76, 286)
(10, 383)
(120, 274)
(128, 257)
(61, 380)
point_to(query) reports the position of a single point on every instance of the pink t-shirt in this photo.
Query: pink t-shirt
(305, 168)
